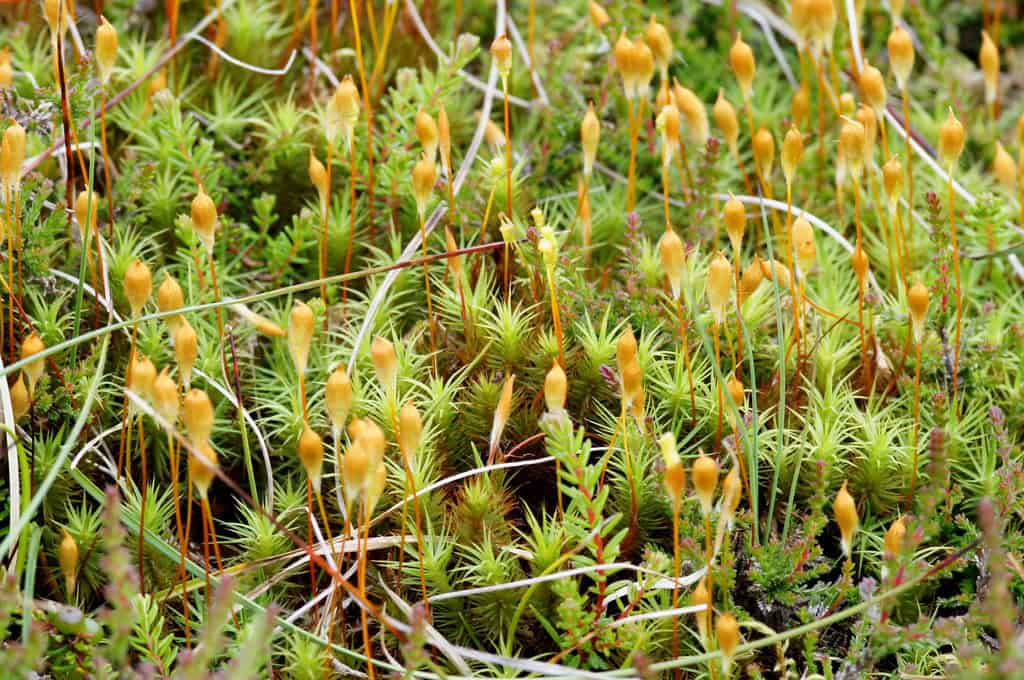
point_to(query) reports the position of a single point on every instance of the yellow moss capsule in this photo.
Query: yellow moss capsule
(872, 89)
(169, 296)
(338, 397)
(764, 153)
(31, 346)
(598, 15)
(845, 510)
(625, 349)
(719, 286)
(775, 271)
(705, 479)
(385, 363)
(186, 350)
(590, 136)
(318, 177)
(694, 112)
(501, 50)
(454, 261)
(56, 14)
(861, 265)
(501, 414)
(643, 60)
(727, 122)
(660, 43)
(142, 376)
(106, 49)
(375, 488)
(800, 18)
(495, 139)
(355, 465)
(792, 153)
(895, 536)
(410, 430)
(86, 208)
(311, 455)
(204, 219)
(424, 176)
(20, 401)
(427, 133)
(166, 402)
(556, 387)
(624, 64)
(202, 467)
(701, 596)
(197, 415)
(6, 69)
(12, 155)
(822, 17)
(918, 299)
(847, 104)
(852, 141)
(668, 125)
(752, 277)
(866, 117)
(951, 140)
(741, 59)
(736, 391)
(138, 284)
(342, 112)
(727, 632)
(735, 217)
(901, 55)
(1005, 168)
(892, 181)
(988, 57)
(300, 335)
(804, 245)
(67, 558)
(444, 136)
(673, 260)
(675, 474)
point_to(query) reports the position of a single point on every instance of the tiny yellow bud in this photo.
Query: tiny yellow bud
(861, 265)
(918, 299)
(6, 69)
(300, 335)
(197, 415)
(792, 153)
(427, 133)
(501, 50)
(169, 296)
(719, 286)
(202, 467)
(695, 113)
(598, 15)
(872, 89)
(338, 397)
(556, 386)
(204, 219)
(901, 55)
(20, 401)
(86, 207)
(660, 43)
(1005, 168)
(625, 350)
(318, 176)
(764, 152)
(311, 455)
(727, 631)
(141, 377)
(590, 135)
(866, 117)
(727, 122)
(138, 284)
(845, 509)
(752, 277)
(501, 415)
(895, 536)
(701, 596)
(673, 260)
(12, 155)
(852, 142)
(705, 479)
(988, 57)
(732, 493)
(385, 363)
(444, 136)
(951, 140)
(186, 350)
(56, 14)
(801, 106)
(165, 397)
(735, 217)
(342, 112)
(803, 244)
(741, 59)
(410, 430)
(31, 346)
(354, 468)
(67, 558)
(106, 49)
(892, 181)
(424, 176)
(669, 454)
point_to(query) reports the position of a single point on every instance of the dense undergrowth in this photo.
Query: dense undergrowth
(710, 364)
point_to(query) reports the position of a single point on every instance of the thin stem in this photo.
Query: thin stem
(917, 418)
(369, 115)
(351, 215)
(556, 316)
(426, 285)
(865, 364)
(675, 580)
(184, 550)
(361, 580)
(325, 210)
(686, 359)
(508, 154)
(959, 295)
(175, 463)
(910, 168)
(718, 384)
(142, 505)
